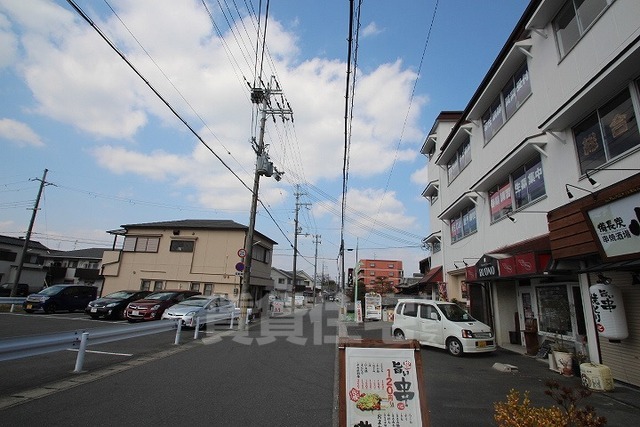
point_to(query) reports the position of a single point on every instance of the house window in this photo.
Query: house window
(140, 244)
(145, 285)
(262, 254)
(574, 20)
(281, 281)
(7, 255)
(195, 286)
(459, 160)
(181, 246)
(157, 285)
(208, 288)
(607, 133)
(436, 247)
(463, 224)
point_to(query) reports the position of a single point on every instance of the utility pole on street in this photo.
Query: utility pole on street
(259, 96)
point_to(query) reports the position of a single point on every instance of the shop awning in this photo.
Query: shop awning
(629, 265)
(432, 276)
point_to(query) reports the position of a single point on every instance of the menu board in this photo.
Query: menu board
(381, 384)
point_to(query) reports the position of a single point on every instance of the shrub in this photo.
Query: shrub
(519, 413)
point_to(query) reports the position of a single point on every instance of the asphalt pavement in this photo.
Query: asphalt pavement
(280, 372)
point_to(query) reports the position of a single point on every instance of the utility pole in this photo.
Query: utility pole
(315, 269)
(295, 249)
(259, 96)
(27, 238)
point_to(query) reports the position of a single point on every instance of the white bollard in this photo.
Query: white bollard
(81, 352)
(178, 330)
(196, 332)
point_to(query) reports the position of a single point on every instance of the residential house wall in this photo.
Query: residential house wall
(190, 254)
(32, 272)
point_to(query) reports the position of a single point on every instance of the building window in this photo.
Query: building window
(141, 244)
(157, 285)
(607, 133)
(528, 183)
(459, 160)
(262, 254)
(463, 224)
(281, 281)
(6, 255)
(574, 20)
(208, 288)
(372, 265)
(145, 285)
(512, 96)
(516, 91)
(554, 311)
(391, 274)
(372, 273)
(195, 286)
(181, 246)
(501, 200)
(436, 247)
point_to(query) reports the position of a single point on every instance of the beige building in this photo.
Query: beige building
(190, 254)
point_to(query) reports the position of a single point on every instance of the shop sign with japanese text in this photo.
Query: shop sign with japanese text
(617, 226)
(382, 387)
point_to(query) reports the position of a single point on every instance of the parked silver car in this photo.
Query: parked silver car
(201, 309)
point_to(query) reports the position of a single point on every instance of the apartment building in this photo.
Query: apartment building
(534, 188)
(372, 272)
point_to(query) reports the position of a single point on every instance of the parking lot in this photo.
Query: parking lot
(36, 371)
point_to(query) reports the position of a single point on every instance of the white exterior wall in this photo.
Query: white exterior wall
(564, 91)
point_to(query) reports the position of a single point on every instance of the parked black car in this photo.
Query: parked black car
(60, 297)
(113, 305)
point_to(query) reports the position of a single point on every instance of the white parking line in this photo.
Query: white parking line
(102, 352)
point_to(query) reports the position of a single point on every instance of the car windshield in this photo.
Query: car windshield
(161, 296)
(52, 290)
(455, 313)
(196, 301)
(119, 295)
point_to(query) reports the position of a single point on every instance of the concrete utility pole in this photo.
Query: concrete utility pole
(27, 238)
(295, 248)
(315, 269)
(259, 96)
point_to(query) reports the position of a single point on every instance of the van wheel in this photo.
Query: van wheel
(398, 334)
(51, 308)
(454, 347)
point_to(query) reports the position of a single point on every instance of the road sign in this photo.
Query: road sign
(242, 253)
(240, 266)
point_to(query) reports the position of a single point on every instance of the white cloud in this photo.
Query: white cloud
(371, 30)
(19, 133)
(420, 176)
(8, 43)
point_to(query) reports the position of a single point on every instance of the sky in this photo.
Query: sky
(116, 153)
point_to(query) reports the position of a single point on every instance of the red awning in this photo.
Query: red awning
(432, 276)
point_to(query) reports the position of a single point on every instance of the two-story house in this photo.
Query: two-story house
(195, 254)
(31, 272)
(80, 266)
(519, 229)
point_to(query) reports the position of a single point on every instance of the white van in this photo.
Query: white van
(443, 325)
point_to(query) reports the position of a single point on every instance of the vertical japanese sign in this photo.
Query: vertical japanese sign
(373, 306)
(382, 386)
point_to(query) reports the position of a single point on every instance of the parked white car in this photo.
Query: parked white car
(441, 324)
